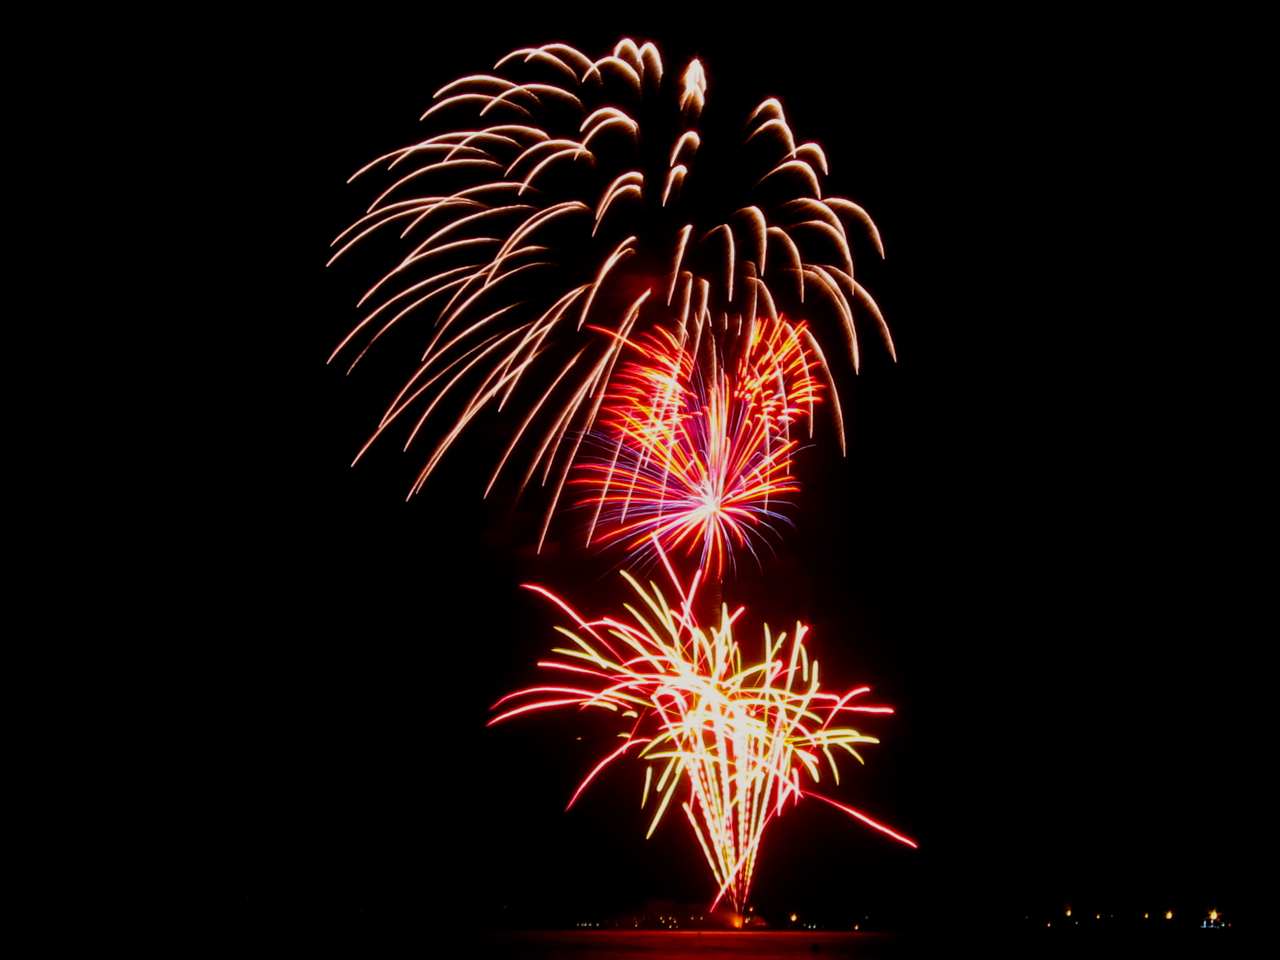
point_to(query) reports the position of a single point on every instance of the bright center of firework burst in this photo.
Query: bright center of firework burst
(711, 501)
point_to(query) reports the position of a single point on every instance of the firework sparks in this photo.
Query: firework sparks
(541, 210)
(742, 738)
(564, 214)
(697, 464)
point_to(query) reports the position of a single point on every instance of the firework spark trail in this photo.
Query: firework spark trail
(701, 465)
(562, 218)
(738, 736)
(544, 208)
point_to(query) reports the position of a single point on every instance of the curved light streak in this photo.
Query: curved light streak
(545, 155)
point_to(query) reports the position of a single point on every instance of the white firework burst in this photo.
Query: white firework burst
(561, 212)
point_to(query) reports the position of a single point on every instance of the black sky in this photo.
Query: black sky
(1038, 549)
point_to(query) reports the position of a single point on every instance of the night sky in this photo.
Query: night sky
(1040, 548)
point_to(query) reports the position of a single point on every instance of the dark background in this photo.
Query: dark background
(1042, 548)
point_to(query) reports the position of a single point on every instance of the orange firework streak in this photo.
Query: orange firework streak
(739, 736)
(702, 461)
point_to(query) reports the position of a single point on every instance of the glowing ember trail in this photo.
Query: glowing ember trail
(543, 209)
(701, 461)
(731, 740)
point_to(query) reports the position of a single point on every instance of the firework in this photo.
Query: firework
(738, 742)
(701, 461)
(564, 193)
